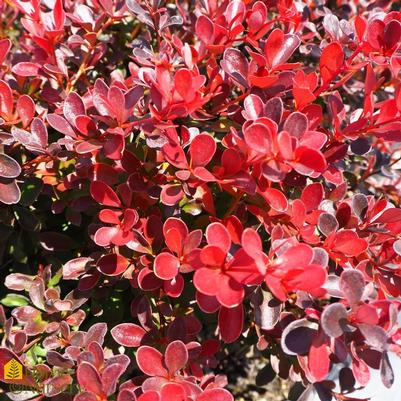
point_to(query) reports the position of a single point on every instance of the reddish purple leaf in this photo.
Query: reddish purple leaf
(73, 107)
(298, 336)
(375, 336)
(236, 65)
(9, 168)
(112, 264)
(26, 69)
(352, 284)
(333, 318)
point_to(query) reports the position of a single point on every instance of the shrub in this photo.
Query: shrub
(180, 179)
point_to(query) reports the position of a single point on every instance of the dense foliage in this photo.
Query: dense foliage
(182, 178)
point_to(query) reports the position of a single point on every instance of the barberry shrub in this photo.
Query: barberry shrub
(187, 182)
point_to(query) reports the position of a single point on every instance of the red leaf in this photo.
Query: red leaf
(348, 243)
(107, 5)
(150, 361)
(375, 33)
(110, 376)
(103, 172)
(204, 29)
(128, 334)
(295, 254)
(86, 126)
(149, 396)
(230, 293)
(310, 278)
(259, 137)
(60, 124)
(231, 323)
(215, 394)
(361, 371)
(57, 385)
(89, 379)
(171, 194)
(95, 333)
(117, 102)
(319, 359)
(331, 61)
(390, 215)
(279, 47)
(206, 303)
(5, 46)
(202, 150)
(392, 34)
(176, 356)
(58, 15)
(309, 160)
(174, 287)
(173, 392)
(166, 266)
(275, 199)
(25, 109)
(183, 84)
(386, 371)
(251, 242)
(217, 235)
(126, 394)
(175, 155)
(175, 231)
(104, 195)
(375, 336)
(207, 281)
(253, 106)
(104, 236)
(312, 195)
(6, 100)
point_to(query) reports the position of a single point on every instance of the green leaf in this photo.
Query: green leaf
(55, 279)
(193, 208)
(13, 300)
(30, 191)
